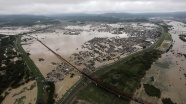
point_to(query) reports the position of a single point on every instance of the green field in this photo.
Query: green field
(96, 95)
(123, 76)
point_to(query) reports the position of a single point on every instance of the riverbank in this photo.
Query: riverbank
(168, 72)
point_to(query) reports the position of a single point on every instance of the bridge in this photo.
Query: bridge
(95, 81)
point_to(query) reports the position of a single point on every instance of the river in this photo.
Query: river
(168, 71)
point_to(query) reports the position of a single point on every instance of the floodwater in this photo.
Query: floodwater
(168, 71)
(62, 87)
(37, 50)
(22, 91)
(13, 31)
(66, 45)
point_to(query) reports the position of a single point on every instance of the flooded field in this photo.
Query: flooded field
(37, 50)
(63, 86)
(26, 94)
(65, 45)
(169, 72)
(13, 30)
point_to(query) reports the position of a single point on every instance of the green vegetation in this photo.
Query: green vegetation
(152, 79)
(25, 20)
(168, 37)
(183, 37)
(167, 101)
(164, 37)
(20, 100)
(32, 67)
(96, 95)
(71, 75)
(164, 26)
(165, 34)
(25, 89)
(127, 75)
(13, 73)
(124, 76)
(108, 19)
(1, 99)
(51, 90)
(163, 64)
(135, 20)
(32, 86)
(165, 45)
(152, 91)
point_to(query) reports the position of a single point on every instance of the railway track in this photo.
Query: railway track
(95, 81)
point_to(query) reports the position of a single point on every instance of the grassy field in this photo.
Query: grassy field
(124, 76)
(96, 95)
(127, 75)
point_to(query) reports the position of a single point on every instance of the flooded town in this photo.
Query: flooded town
(93, 59)
(88, 47)
(98, 45)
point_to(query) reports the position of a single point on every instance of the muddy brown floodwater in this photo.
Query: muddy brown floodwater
(26, 92)
(168, 71)
(64, 45)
